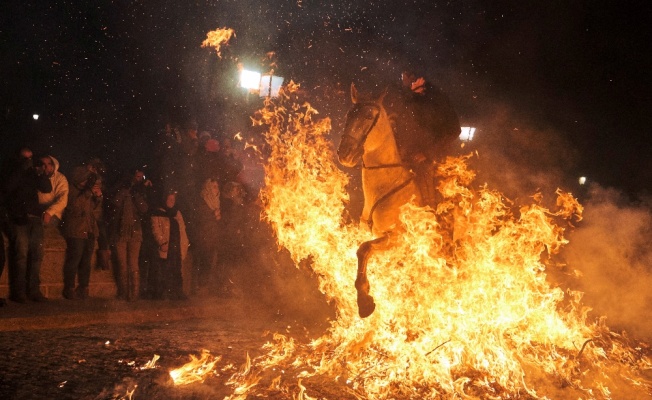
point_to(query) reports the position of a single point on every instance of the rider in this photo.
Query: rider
(426, 128)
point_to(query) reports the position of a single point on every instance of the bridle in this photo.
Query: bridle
(361, 142)
(358, 106)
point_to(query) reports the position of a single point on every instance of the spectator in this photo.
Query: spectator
(208, 162)
(3, 229)
(182, 176)
(7, 170)
(25, 216)
(206, 255)
(169, 231)
(229, 163)
(55, 201)
(128, 206)
(80, 227)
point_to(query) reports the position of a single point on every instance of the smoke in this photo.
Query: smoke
(520, 157)
(610, 257)
(288, 292)
(265, 277)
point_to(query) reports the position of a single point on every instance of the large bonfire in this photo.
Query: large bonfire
(469, 315)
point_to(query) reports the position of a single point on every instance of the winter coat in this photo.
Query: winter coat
(22, 194)
(84, 209)
(127, 209)
(55, 201)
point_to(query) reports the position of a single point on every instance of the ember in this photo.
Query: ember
(218, 38)
(463, 315)
(197, 370)
(151, 364)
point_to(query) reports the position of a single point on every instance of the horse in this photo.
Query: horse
(387, 182)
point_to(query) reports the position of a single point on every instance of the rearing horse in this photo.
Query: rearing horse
(386, 182)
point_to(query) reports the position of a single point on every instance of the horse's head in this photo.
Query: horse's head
(360, 122)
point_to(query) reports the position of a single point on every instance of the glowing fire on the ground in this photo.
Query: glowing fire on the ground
(218, 38)
(469, 315)
(196, 370)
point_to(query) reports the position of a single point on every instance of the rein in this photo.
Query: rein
(382, 166)
(396, 189)
(370, 221)
(373, 124)
(364, 137)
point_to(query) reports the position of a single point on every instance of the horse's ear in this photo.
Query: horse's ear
(354, 93)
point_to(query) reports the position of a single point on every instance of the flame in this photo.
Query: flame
(468, 314)
(151, 364)
(242, 381)
(196, 370)
(217, 38)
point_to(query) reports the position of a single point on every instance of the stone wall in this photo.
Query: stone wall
(102, 283)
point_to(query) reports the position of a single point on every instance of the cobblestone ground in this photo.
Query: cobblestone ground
(104, 361)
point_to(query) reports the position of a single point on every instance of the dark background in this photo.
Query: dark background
(105, 76)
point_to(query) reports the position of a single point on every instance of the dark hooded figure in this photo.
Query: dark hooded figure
(171, 240)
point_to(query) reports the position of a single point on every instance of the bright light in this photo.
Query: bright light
(35, 116)
(467, 133)
(250, 79)
(270, 85)
(582, 180)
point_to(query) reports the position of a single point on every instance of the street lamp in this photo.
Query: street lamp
(265, 85)
(466, 134)
(250, 79)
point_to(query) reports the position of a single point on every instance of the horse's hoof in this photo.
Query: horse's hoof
(366, 305)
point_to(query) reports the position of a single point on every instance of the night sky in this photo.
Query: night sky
(105, 76)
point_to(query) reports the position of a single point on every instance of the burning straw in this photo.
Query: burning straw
(464, 309)
(196, 370)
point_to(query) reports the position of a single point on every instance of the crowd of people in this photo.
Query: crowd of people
(141, 228)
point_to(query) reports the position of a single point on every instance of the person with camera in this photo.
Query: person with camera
(80, 227)
(26, 234)
(126, 209)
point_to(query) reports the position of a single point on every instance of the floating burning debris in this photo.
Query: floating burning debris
(196, 370)
(151, 364)
(469, 315)
(218, 38)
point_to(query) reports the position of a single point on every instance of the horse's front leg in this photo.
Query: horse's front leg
(366, 305)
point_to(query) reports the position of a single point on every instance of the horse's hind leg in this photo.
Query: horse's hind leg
(366, 305)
